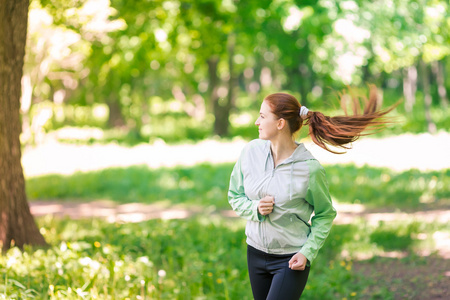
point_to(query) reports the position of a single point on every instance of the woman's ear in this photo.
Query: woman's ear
(281, 124)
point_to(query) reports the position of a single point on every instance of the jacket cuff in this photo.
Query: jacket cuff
(308, 256)
(256, 215)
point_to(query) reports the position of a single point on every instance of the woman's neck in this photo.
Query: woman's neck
(282, 147)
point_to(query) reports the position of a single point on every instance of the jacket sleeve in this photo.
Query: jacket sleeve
(324, 213)
(241, 204)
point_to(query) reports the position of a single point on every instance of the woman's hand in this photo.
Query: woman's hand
(265, 206)
(298, 262)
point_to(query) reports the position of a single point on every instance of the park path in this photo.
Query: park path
(138, 212)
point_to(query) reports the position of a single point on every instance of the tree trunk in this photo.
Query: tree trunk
(213, 81)
(306, 74)
(438, 70)
(115, 118)
(427, 97)
(17, 226)
(222, 108)
(219, 105)
(304, 84)
(409, 87)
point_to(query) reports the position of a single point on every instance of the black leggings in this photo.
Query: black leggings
(271, 278)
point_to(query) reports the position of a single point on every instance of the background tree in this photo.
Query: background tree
(177, 70)
(17, 226)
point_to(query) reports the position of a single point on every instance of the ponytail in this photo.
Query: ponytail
(339, 131)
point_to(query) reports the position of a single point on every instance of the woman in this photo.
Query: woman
(277, 184)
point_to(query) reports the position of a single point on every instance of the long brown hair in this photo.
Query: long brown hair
(337, 131)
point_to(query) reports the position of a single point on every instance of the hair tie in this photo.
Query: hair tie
(303, 112)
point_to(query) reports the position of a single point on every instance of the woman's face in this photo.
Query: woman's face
(267, 122)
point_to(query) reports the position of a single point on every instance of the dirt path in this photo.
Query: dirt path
(138, 212)
(421, 278)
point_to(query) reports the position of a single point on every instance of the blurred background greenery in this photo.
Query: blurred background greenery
(131, 72)
(136, 71)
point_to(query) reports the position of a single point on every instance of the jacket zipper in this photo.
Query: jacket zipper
(264, 224)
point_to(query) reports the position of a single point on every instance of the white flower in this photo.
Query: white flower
(63, 246)
(144, 259)
(95, 265)
(85, 261)
(119, 263)
(11, 261)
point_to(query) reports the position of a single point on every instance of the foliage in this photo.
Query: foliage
(176, 128)
(177, 259)
(157, 259)
(207, 185)
(192, 57)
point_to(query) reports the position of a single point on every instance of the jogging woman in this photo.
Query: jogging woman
(277, 184)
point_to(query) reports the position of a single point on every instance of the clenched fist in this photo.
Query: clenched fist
(265, 206)
(298, 262)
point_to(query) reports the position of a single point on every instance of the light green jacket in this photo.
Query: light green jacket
(299, 187)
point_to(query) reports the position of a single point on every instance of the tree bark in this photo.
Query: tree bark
(306, 76)
(222, 108)
(213, 82)
(409, 87)
(115, 118)
(304, 84)
(17, 226)
(427, 97)
(214, 96)
(438, 71)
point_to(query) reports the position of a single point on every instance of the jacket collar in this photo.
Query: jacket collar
(299, 154)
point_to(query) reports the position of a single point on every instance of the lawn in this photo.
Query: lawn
(203, 257)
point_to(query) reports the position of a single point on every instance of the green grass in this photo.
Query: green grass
(385, 188)
(197, 258)
(207, 185)
(156, 259)
(200, 185)
(204, 257)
